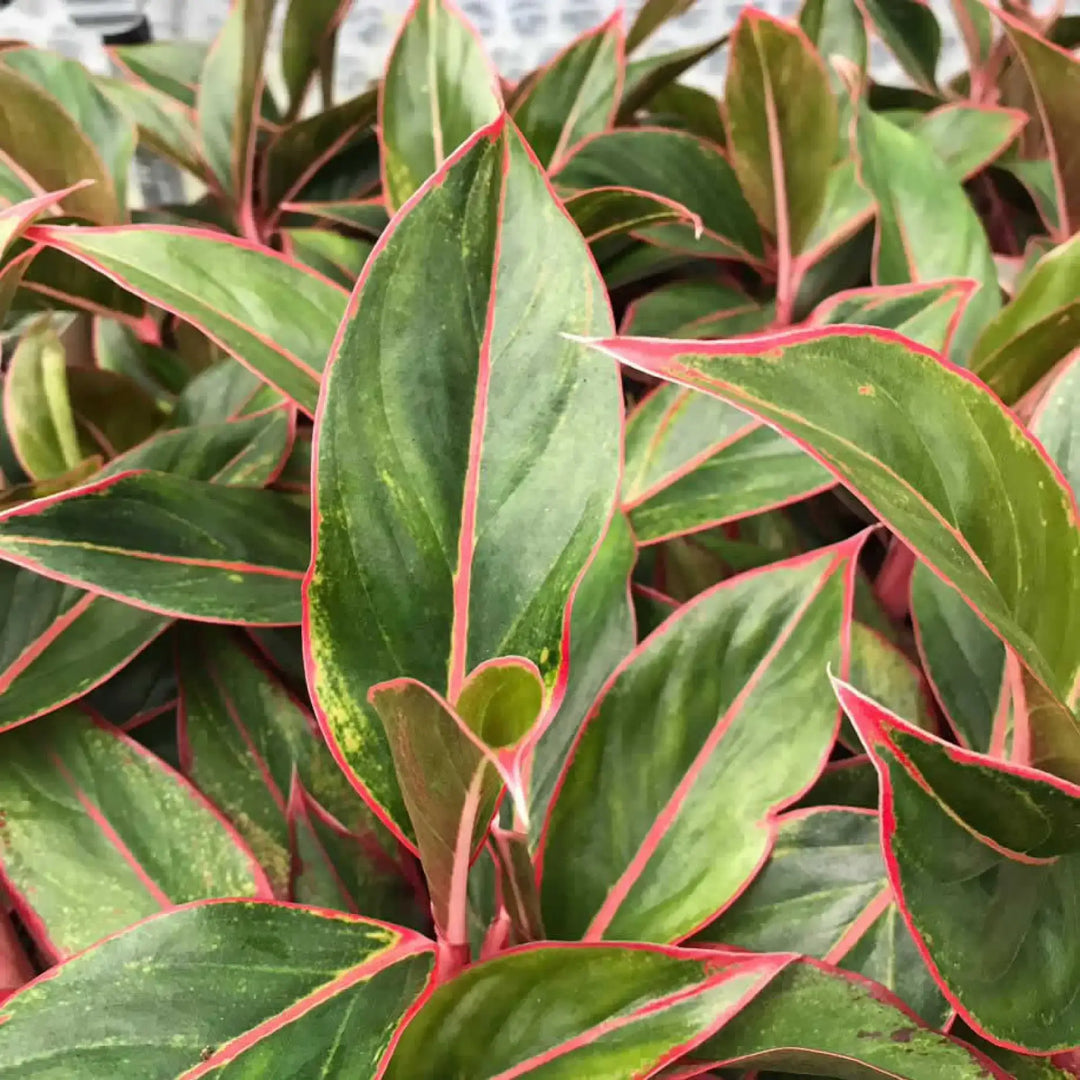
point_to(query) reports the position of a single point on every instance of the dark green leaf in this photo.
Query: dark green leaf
(883, 416)
(275, 316)
(443, 513)
(99, 834)
(526, 1014)
(169, 544)
(719, 719)
(574, 96)
(221, 988)
(677, 166)
(438, 89)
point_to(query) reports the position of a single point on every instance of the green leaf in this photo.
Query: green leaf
(448, 781)
(1055, 422)
(112, 412)
(165, 125)
(308, 38)
(224, 391)
(230, 90)
(96, 116)
(1037, 176)
(267, 988)
(880, 669)
(928, 314)
(301, 148)
(883, 416)
(921, 239)
(37, 406)
(340, 258)
(244, 453)
(911, 31)
(984, 858)
(836, 28)
(847, 209)
(526, 1014)
(159, 371)
(693, 462)
(825, 893)
(59, 642)
(782, 123)
(275, 316)
(969, 137)
(653, 15)
(1039, 327)
(962, 658)
(698, 308)
(99, 834)
(690, 109)
(575, 95)
(715, 722)
(605, 212)
(1054, 77)
(439, 88)
(651, 75)
(677, 166)
(169, 544)
(366, 216)
(172, 67)
(143, 689)
(242, 737)
(348, 871)
(448, 481)
(601, 635)
(47, 142)
(812, 1019)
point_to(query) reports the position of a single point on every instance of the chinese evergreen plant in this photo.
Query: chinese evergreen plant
(558, 579)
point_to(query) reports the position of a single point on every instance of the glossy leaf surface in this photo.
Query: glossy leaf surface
(967, 138)
(1054, 76)
(276, 317)
(99, 834)
(781, 117)
(47, 141)
(678, 166)
(437, 90)
(609, 211)
(824, 893)
(326, 995)
(693, 462)
(705, 696)
(37, 406)
(1039, 327)
(602, 633)
(1001, 838)
(169, 544)
(449, 479)
(783, 1030)
(575, 95)
(242, 736)
(229, 94)
(58, 642)
(248, 452)
(527, 1017)
(911, 244)
(836, 393)
(962, 657)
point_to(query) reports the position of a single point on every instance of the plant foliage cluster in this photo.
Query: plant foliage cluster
(573, 579)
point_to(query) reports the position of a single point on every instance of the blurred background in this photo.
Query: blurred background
(520, 34)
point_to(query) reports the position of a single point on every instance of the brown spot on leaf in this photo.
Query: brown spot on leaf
(868, 1035)
(902, 1035)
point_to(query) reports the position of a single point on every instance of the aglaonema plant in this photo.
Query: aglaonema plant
(569, 578)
